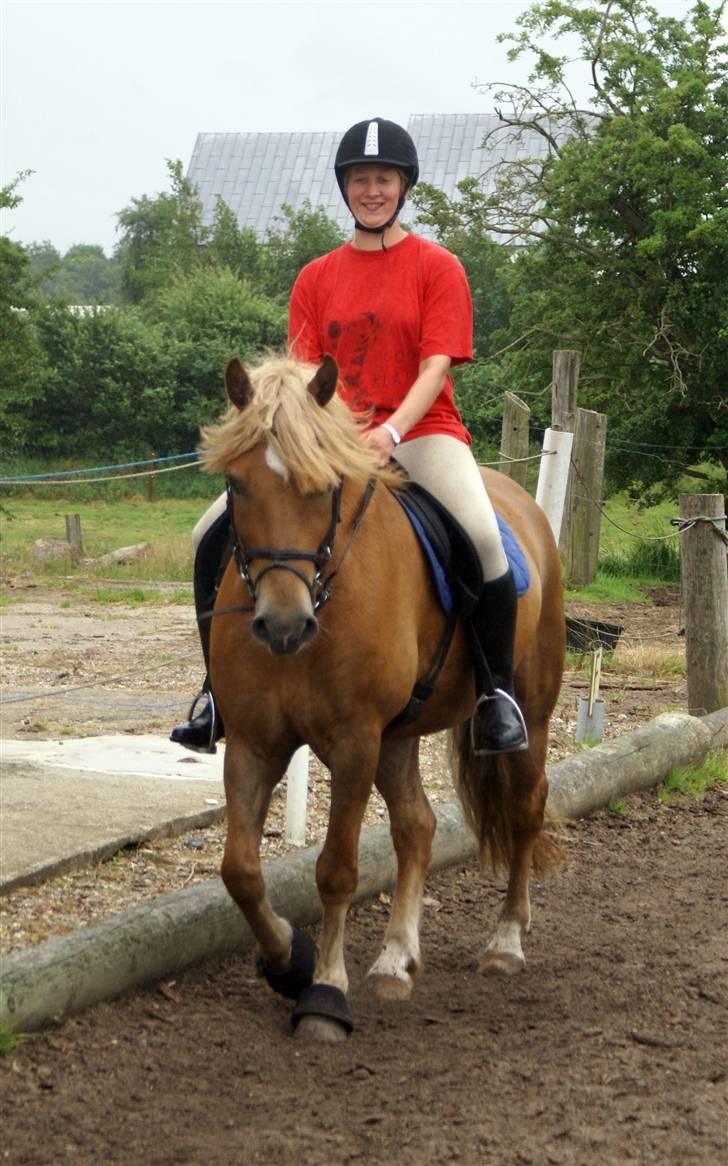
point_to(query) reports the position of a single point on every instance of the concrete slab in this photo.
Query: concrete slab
(66, 803)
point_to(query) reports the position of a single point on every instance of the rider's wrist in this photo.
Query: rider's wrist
(393, 433)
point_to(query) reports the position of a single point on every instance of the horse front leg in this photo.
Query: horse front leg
(285, 956)
(412, 824)
(322, 1012)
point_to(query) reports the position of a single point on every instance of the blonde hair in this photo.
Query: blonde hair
(320, 446)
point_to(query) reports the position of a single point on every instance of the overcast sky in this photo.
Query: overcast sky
(97, 94)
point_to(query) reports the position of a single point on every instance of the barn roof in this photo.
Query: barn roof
(256, 173)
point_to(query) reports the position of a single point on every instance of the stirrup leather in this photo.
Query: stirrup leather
(519, 745)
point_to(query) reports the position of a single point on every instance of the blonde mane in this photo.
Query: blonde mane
(320, 446)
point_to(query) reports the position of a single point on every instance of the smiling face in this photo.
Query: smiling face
(373, 192)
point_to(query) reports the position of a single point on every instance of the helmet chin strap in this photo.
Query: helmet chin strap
(385, 226)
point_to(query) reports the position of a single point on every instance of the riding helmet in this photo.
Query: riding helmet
(376, 140)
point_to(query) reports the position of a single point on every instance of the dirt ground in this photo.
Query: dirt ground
(609, 1049)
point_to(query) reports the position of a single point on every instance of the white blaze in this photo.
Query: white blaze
(274, 462)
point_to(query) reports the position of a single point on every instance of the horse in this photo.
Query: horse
(324, 621)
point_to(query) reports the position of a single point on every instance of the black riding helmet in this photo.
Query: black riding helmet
(382, 141)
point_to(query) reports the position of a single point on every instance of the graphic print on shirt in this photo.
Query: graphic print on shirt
(350, 344)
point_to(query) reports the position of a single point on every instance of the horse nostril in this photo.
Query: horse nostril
(310, 628)
(260, 629)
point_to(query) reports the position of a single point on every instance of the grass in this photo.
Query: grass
(693, 781)
(9, 1040)
(105, 526)
(626, 562)
(137, 596)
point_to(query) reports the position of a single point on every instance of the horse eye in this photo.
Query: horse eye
(236, 487)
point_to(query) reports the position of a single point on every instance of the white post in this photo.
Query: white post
(553, 476)
(296, 796)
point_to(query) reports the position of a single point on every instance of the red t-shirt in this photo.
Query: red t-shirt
(379, 313)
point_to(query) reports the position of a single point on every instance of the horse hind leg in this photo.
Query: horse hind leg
(413, 826)
(504, 800)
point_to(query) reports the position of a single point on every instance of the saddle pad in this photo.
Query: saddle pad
(515, 556)
(511, 545)
(439, 575)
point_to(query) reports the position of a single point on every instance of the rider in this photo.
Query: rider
(395, 312)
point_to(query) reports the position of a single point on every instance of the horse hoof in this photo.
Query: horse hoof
(294, 979)
(318, 1030)
(501, 963)
(389, 987)
(324, 1011)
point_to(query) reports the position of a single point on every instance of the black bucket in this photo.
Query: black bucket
(584, 635)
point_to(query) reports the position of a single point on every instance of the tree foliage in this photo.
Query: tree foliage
(162, 237)
(295, 239)
(18, 348)
(622, 221)
(83, 275)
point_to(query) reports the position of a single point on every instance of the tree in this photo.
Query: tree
(108, 388)
(18, 349)
(232, 246)
(84, 275)
(208, 317)
(298, 237)
(622, 222)
(161, 237)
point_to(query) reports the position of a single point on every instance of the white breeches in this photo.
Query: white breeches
(446, 467)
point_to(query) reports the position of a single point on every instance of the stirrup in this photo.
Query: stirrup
(196, 733)
(516, 735)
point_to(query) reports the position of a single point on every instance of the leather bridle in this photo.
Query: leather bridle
(283, 559)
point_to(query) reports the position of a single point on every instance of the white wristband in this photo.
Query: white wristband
(396, 438)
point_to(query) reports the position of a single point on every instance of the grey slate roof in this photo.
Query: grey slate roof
(257, 173)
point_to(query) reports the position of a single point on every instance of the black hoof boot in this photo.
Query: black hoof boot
(497, 725)
(297, 977)
(199, 732)
(326, 1001)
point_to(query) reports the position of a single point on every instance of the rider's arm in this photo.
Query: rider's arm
(423, 393)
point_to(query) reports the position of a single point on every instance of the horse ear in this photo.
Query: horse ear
(237, 383)
(323, 385)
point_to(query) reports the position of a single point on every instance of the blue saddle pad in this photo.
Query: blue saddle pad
(511, 545)
(515, 556)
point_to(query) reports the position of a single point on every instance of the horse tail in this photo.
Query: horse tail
(485, 789)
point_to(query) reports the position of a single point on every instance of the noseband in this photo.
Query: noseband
(319, 588)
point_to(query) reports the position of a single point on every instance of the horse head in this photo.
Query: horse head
(283, 531)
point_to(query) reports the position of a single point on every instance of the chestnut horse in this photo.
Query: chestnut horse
(325, 620)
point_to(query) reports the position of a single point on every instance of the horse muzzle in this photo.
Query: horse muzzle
(284, 634)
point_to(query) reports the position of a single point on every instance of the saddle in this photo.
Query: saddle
(456, 572)
(448, 547)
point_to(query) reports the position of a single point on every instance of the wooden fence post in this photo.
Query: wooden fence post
(564, 386)
(705, 600)
(583, 516)
(514, 438)
(73, 535)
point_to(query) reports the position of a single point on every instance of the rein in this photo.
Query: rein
(282, 559)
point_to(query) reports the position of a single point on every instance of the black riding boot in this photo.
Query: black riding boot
(203, 729)
(497, 725)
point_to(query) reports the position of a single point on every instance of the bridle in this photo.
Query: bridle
(283, 559)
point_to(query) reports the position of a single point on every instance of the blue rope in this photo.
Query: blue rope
(97, 469)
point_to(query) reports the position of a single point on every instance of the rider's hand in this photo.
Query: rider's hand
(381, 441)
